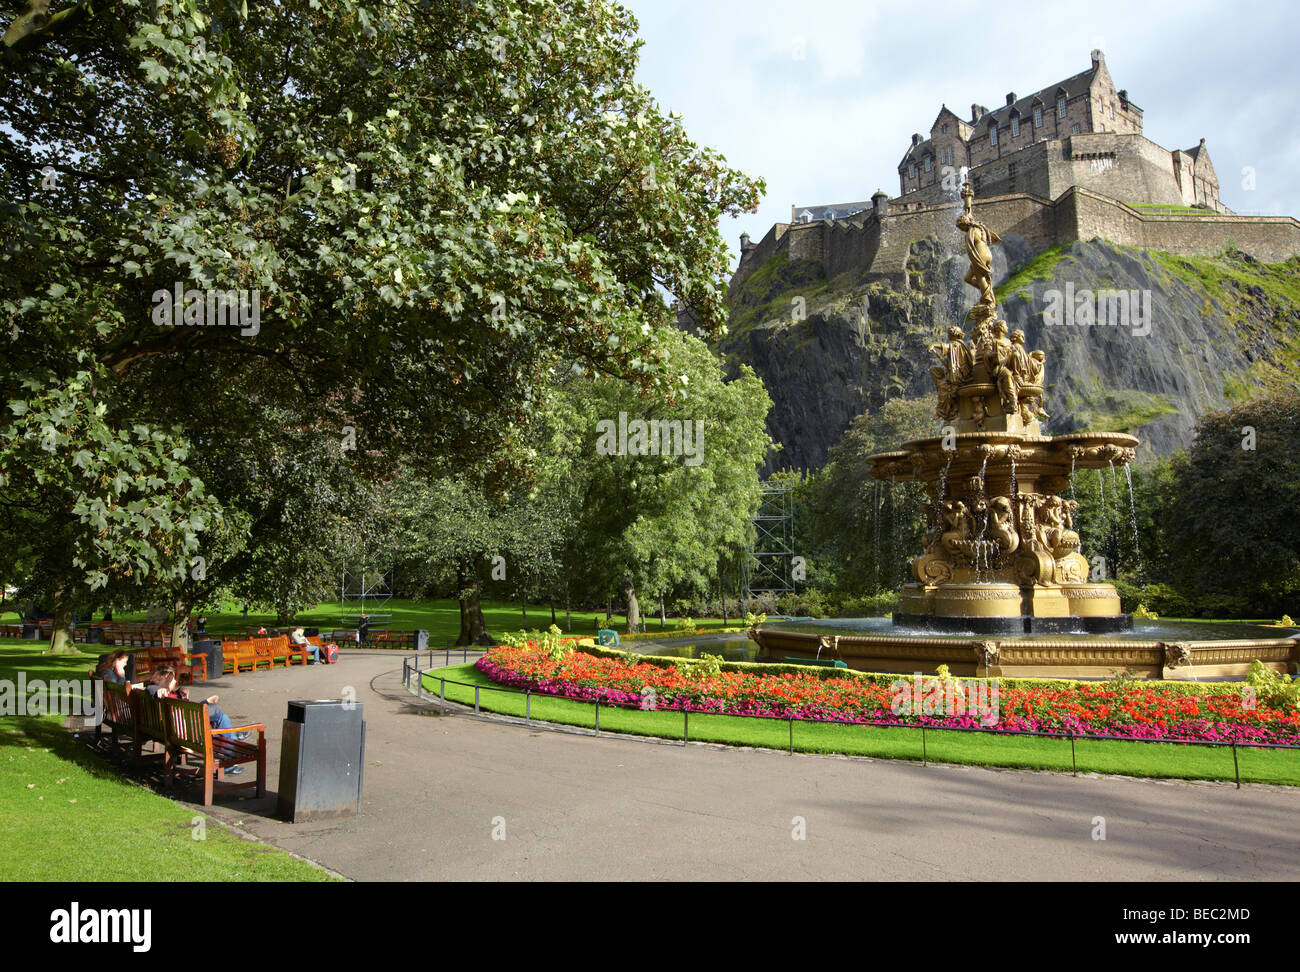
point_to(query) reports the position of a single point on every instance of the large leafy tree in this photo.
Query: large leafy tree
(451, 533)
(1232, 529)
(424, 207)
(82, 501)
(648, 523)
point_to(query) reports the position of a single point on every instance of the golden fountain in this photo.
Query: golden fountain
(1003, 554)
(1001, 572)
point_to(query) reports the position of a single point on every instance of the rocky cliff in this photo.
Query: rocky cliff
(1196, 334)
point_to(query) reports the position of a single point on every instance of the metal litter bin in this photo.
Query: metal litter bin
(210, 649)
(322, 755)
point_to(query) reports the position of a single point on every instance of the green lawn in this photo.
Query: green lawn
(1096, 756)
(66, 814)
(441, 618)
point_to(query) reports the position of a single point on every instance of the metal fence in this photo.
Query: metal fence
(411, 672)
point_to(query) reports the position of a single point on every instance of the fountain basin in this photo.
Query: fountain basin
(1170, 650)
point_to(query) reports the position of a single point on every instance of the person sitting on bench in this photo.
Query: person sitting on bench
(112, 668)
(300, 639)
(162, 684)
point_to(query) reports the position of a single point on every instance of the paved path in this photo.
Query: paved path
(579, 807)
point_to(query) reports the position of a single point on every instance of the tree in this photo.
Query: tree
(873, 527)
(664, 486)
(83, 504)
(395, 219)
(1232, 528)
(449, 530)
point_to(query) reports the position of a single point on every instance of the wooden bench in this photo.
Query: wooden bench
(149, 724)
(190, 733)
(118, 716)
(186, 665)
(238, 654)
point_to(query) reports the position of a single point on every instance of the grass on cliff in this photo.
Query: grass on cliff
(1156, 760)
(1237, 284)
(1040, 267)
(1122, 410)
(766, 294)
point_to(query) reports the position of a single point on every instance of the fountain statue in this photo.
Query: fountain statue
(1001, 587)
(1002, 555)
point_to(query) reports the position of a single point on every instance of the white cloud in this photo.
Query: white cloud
(832, 127)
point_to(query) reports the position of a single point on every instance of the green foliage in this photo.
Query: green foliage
(872, 528)
(1040, 267)
(1275, 691)
(753, 620)
(1232, 529)
(1141, 612)
(685, 624)
(433, 226)
(651, 524)
(703, 667)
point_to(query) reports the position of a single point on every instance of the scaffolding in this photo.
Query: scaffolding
(768, 566)
(365, 591)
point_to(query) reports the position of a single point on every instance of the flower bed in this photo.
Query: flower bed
(1220, 712)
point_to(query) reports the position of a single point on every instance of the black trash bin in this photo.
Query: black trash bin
(31, 632)
(94, 635)
(210, 649)
(322, 754)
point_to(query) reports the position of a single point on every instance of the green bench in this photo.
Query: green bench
(824, 662)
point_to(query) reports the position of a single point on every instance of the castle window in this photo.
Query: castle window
(911, 171)
(1015, 126)
(929, 163)
(943, 129)
(1038, 117)
(1075, 129)
(993, 135)
(1060, 107)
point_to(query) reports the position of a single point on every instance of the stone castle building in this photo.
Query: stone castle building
(1066, 163)
(991, 144)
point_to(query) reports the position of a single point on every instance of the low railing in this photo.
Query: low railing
(411, 672)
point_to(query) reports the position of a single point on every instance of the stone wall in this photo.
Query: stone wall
(772, 243)
(876, 247)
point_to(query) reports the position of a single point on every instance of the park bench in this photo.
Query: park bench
(118, 716)
(823, 662)
(149, 724)
(190, 734)
(186, 665)
(239, 655)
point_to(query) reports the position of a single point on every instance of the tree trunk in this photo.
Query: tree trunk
(633, 608)
(473, 629)
(181, 624)
(61, 641)
(523, 601)
(568, 616)
(663, 618)
(552, 603)
(722, 591)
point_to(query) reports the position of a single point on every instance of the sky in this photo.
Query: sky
(820, 97)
